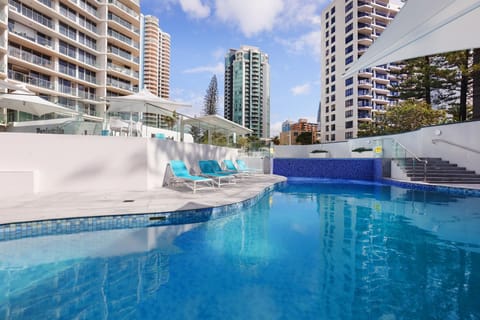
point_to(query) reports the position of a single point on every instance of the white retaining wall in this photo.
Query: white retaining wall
(421, 142)
(71, 163)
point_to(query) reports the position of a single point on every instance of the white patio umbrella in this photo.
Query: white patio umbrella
(423, 28)
(143, 102)
(28, 102)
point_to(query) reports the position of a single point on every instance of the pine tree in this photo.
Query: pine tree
(426, 78)
(476, 84)
(211, 97)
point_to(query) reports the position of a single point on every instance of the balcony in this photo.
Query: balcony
(122, 38)
(123, 23)
(30, 57)
(35, 81)
(365, 83)
(31, 14)
(84, 6)
(124, 8)
(87, 95)
(121, 85)
(364, 40)
(364, 6)
(117, 68)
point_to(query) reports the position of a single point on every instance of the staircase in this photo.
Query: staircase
(438, 171)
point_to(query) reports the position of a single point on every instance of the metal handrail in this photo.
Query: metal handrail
(425, 162)
(455, 144)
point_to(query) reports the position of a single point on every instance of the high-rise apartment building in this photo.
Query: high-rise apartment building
(155, 62)
(348, 29)
(75, 53)
(247, 89)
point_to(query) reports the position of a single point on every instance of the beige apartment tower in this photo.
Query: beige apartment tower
(156, 58)
(348, 29)
(75, 53)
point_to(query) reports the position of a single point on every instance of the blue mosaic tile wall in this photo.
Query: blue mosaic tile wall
(353, 169)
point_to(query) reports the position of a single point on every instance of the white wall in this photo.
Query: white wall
(94, 163)
(418, 142)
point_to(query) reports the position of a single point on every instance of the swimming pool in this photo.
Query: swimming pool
(304, 251)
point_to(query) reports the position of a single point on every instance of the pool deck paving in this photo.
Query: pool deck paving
(45, 206)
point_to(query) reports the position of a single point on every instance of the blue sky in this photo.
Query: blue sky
(203, 31)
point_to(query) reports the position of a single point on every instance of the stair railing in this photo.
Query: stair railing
(400, 152)
(455, 145)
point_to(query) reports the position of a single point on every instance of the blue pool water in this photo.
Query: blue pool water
(304, 251)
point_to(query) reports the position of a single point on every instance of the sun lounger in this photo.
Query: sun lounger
(208, 169)
(230, 167)
(181, 174)
(242, 166)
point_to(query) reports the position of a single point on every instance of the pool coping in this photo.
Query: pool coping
(77, 224)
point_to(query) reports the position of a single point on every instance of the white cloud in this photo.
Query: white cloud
(308, 42)
(219, 53)
(301, 89)
(216, 69)
(195, 8)
(275, 128)
(251, 16)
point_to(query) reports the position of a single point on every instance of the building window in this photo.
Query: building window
(332, 11)
(333, 137)
(332, 40)
(349, 38)
(349, 28)
(332, 78)
(332, 21)
(333, 107)
(327, 80)
(349, 17)
(348, 60)
(327, 90)
(327, 118)
(333, 88)
(327, 109)
(348, 113)
(349, 49)
(332, 117)
(349, 103)
(327, 128)
(333, 29)
(333, 49)
(348, 124)
(348, 7)
(332, 59)
(348, 92)
(327, 43)
(349, 81)
(332, 127)
(332, 68)
(332, 97)
(348, 135)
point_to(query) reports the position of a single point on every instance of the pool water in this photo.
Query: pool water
(304, 251)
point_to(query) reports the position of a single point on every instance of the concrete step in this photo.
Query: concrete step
(438, 171)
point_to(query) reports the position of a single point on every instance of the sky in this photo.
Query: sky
(202, 32)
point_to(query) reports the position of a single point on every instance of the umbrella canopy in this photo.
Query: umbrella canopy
(28, 102)
(143, 101)
(423, 28)
(218, 122)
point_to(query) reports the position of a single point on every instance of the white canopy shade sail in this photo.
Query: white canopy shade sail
(423, 28)
(143, 101)
(28, 102)
(218, 122)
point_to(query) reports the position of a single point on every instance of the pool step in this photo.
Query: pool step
(438, 171)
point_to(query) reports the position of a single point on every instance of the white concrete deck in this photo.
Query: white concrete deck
(84, 204)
